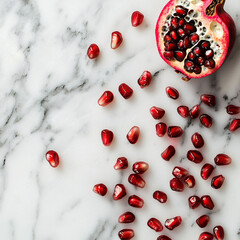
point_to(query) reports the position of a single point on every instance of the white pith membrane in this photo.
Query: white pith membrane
(203, 32)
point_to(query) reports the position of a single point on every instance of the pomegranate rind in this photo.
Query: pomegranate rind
(220, 16)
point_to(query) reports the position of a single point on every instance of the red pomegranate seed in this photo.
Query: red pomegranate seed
(126, 217)
(190, 181)
(133, 135)
(163, 237)
(217, 181)
(209, 54)
(93, 51)
(100, 189)
(160, 196)
(175, 22)
(203, 221)
(181, 11)
(180, 55)
(135, 201)
(140, 167)
(161, 129)
(172, 92)
(197, 140)
(194, 156)
(183, 111)
(234, 125)
(53, 158)
(205, 45)
(169, 55)
(122, 163)
(126, 234)
(195, 111)
(180, 172)
(208, 99)
(116, 39)
(173, 222)
(175, 131)
(210, 63)
(155, 224)
(125, 91)
(173, 35)
(233, 109)
(206, 120)
(194, 202)
(218, 232)
(156, 112)
(206, 171)
(170, 46)
(222, 159)
(176, 185)
(136, 180)
(207, 202)
(105, 99)
(205, 236)
(145, 79)
(194, 38)
(168, 153)
(137, 18)
(119, 192)
(107, 137)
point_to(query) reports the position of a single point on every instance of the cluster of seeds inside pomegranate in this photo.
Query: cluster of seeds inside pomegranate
(186, 39)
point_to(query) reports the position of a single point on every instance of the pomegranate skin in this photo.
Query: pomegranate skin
(214, 14)
(53, 158)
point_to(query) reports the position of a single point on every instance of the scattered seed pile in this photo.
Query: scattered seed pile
(181, 177)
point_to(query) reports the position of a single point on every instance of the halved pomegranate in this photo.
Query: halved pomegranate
(195, 36)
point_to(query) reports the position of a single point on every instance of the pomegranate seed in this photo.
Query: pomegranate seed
(234, 125)
(125, 91)
(194, 156)
(181, 11)
(107, 137)
(145, 79)
(194, 38)
(190, 181)
(135, 201)
(205, 45)
(175, 22)
(172, 93)
(122, 163)
(176, 185)
(119, 192)
(126, 217)
(160, 196)
(200, 60)
(126, 234)
(105, 99)
(136, 180)
(168, 153)
(53, 158)
(197, 140)
(163, 237)
(180, 55)
(207, 202)
(203, 221)
(116, 40)
(170, 46)
(189, 28)
(175, 131)
(137, 18)
(209, 54)
(208, 99)
(217, 181)
(167, 38)
(206, 120)
(218, 232)
(169, 55)
(161, 129)
(195, 111)
(186, 42)
(210, 63)
(183, 111)
(93, 51)
(157, 113)
(194, 202)
(179, 172)
(206, 171)
(173, 222)
(100, 189)
(205, 236)
(155, 224)
(173, 35)
(222, 159)
(181, 33)
(232, 109)
(197, 51)
(133, 135)
(140, 167)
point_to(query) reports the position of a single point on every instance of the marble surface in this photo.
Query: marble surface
(49, 91)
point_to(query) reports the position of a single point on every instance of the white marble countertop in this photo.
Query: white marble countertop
(49, 91)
